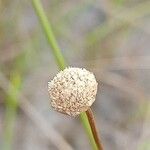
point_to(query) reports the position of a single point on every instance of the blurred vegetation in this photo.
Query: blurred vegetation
(107, 37)
(11, 111)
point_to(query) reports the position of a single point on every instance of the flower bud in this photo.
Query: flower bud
(72, 91)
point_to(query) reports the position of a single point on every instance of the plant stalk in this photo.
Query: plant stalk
(92, 122)
(49, 33)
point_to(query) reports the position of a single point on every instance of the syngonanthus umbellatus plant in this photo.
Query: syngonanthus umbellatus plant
(73, 90)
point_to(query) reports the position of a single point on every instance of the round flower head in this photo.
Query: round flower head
(72, 91)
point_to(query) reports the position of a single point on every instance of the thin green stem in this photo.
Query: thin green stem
(59, 58)
(85, 122)
(49, 33)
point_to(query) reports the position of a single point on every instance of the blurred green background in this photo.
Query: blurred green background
(108, 37)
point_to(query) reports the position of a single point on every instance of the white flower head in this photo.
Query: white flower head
(72, 91)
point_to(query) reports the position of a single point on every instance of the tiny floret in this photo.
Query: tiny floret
(72, 91)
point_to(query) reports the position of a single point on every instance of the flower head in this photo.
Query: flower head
(72, 91)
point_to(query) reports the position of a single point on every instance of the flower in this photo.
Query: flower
(72, 91)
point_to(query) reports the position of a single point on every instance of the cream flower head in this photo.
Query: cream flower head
(72, 91)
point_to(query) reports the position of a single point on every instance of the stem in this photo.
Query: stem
(87, 127)
(49, 33)
(59, 59)
(92, 122)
